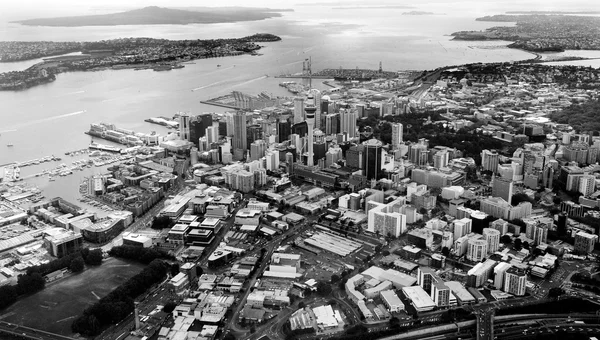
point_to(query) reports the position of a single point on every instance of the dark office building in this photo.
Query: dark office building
(198, 125)
(372, 158)
(300, 129)
(255, 132)
(284, 130)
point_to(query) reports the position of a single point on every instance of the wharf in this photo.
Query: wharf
(211, 102)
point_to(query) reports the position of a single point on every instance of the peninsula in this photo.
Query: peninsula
(541, 33)
(138, 53)
(161, 16)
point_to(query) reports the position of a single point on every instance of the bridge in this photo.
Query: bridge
(23, 332)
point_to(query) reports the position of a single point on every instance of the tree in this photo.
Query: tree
(169, 307)
(94, 257)
(526, 245)
(27, 284)
(423, 211)
(8, 295)
(174, 269)
(323, 288)
(520, 197)
(555, 292)
(199, 271)
(445, 251)
(335, 278)
(385, 253)
(518, 244)
(301, 305)
(556, 200)
(505, 239)
(252, 330)
(394, 322)
(229, 336)
(77, 265)
(162, 222)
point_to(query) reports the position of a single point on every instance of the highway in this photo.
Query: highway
(24, 332)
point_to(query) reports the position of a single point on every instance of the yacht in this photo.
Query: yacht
(9, 144)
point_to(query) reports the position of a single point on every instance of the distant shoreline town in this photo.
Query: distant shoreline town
(137, 53)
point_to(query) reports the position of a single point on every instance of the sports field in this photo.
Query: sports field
(54, 308)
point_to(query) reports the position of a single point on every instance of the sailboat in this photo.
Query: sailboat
(9, 144)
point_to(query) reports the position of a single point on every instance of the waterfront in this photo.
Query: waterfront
(52, 118)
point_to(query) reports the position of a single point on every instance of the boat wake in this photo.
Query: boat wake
(249, 81)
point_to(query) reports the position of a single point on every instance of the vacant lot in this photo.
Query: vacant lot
(54, 308)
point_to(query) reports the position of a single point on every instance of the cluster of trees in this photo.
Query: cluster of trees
(520, 197)
(33, 279)
(582, 117)
(162, 222)
(119, 303)
(140, 254)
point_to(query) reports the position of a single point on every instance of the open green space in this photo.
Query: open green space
(54, 308)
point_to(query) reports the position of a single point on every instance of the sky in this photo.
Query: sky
(27, 9)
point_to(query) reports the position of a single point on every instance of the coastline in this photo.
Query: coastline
(176, 55)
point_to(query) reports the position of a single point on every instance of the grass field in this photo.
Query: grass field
(54, 308)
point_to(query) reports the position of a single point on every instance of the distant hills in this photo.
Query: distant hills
(162, 16)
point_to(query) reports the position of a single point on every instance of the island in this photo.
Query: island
(418, 13)
(541, 33)
(154, 15)
(137, 53)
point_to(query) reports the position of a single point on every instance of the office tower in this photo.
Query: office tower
(257, 149)
(461, 227)
(332, 124)
(537, 231)
(317, 104)
(515, 281)
(239, 136)
(440, 294)
(477, 250)
(198, 126)
(325, 102)
(372, 158)
(184, 127)
(426, 278)
(397, 135)
(585, 242)
(298, 110)
(492, 236)
(503, 188)
(489, 160)
(310, 110)
(212, 134)
(418, 154)
(348, 123)
(499, 272)
(561, 224)
(284, 130)
(333, 155)
(587, 185)
(254, 132)
(272, 160)
(440, 159)
(500, 225)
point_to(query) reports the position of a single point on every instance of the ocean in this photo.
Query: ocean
(52, 118)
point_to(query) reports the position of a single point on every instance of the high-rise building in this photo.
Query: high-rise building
(284, 130)
(212, 134)
(397, 135)
(348, 123)
(254, 132)
(239, 142)
(317, 104)
(584, 242)
(332, 124)
(298, 110)
(477, 250)
(499, 272)
(489, 160)
(440, 159)
(587, 185)
(372, 158)
(515, 281)
(272, 160)
(500, 225)
(440, 294)
(492, 236)
(503, 188)
(257, 149)
(198, 126)
(184, 127)
(461, 227)
(426, 277)
(382, 219)
(418, 154)
(537, 230)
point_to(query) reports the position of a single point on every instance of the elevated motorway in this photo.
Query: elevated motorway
(23, 332)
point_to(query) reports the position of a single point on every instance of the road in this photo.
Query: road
(23, 332)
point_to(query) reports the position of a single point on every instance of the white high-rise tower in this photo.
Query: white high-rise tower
(310, 110)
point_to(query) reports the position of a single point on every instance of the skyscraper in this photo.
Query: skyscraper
(298, 110)
(372, 158)
(503, 188)
(348, 123)
(198, 125)
(397, 135)
(317, 104)
(239, 136)
(310, 121)
(184, 127)
(489, 160)
(492, 236)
